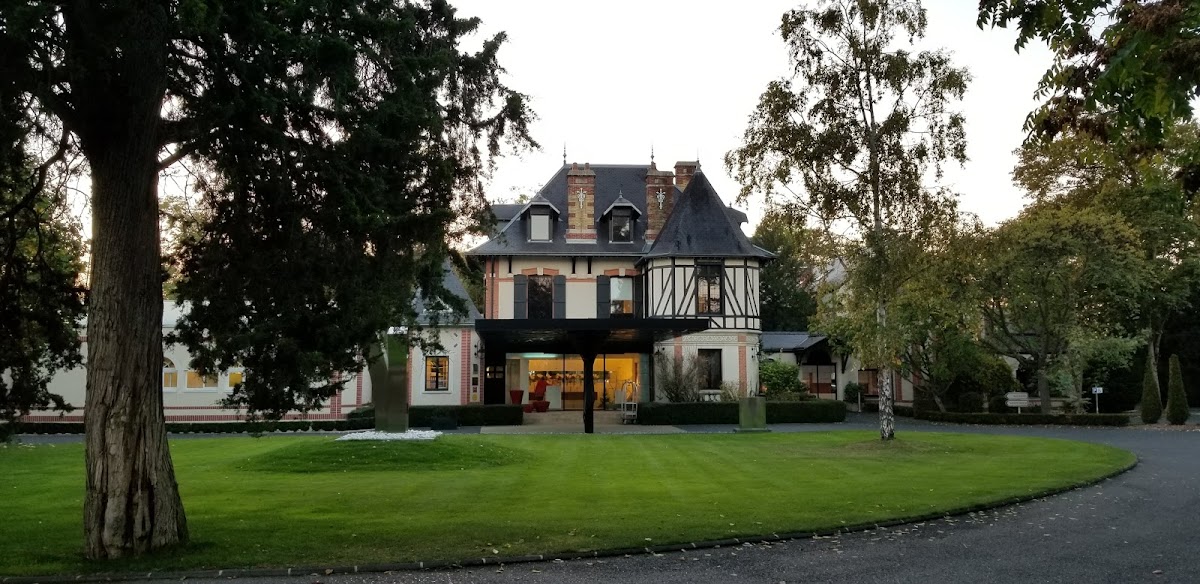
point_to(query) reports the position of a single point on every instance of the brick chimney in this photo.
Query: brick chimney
(684, 169)
(658, 207)
(581, 204)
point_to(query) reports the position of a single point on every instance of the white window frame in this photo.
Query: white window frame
(171, 370)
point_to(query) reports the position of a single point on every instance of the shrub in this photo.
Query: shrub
(678, 380)
(471, 415)
(1025, 419)
(1177, 404)
(1151, 402)
(780, 378)
(851, 392)
(217, 427)
(970, 402)
(662, 413)
(676, 414)
(813, 411)
(730, 392)
(998, 404)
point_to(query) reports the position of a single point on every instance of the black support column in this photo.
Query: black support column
(589, 392)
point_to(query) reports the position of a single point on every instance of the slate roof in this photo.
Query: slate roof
(455, 287)
(776, 341)
(701, 225)
(612, 181)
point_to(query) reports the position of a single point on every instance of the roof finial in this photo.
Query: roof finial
(652, 153)
(564, 152)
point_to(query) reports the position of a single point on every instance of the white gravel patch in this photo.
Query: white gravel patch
(409, 435)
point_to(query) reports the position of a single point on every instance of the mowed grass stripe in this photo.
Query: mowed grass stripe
(310, 501)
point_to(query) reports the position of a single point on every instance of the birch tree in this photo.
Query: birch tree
(860, 124)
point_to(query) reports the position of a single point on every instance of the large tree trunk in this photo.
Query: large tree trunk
(132, 504)
(1043, 386)
(117, 57)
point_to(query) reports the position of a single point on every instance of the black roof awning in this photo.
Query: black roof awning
(582, 335)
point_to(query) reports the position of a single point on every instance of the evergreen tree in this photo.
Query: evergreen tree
(1151, 402)
(338, 143)
(1177, 402)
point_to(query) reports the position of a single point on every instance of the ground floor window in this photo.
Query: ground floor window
(170, 374)
(710, 368)
(197, 381)
(436, 371)
(559, 378)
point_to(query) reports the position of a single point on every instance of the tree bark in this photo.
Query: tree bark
(1043, 386)
(132, 504)
(116, 56)
(887, 413)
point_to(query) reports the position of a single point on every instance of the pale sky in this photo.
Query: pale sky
(609, 79)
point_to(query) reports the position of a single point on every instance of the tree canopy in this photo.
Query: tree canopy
(789, 282)
(1119, 64)
(41, 292)
(339, 144)
(861, 124)
(1054, 280)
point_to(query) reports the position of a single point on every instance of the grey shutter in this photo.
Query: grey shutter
(520, 296)
(560, 297)
(603, 306)
(637, 296)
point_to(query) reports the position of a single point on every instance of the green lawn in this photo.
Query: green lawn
(306, 500)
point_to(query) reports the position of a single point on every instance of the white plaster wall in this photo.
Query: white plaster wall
(180, 401)
(581, 285)
(451, 341)
(729, 342)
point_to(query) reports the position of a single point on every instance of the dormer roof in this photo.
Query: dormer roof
(621, 201)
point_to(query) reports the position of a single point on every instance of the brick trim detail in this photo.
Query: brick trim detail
(464, 378)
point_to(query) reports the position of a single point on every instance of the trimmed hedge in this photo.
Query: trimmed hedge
(473, 415)
(675, 414)
(216, 427)
(1025, 419)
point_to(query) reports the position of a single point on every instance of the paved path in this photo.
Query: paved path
(1143, 526)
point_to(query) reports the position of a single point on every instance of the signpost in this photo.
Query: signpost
(1017, 399)
(1096, 391)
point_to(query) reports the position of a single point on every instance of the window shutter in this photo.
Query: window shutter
(520, 294)
(560, 297)
(603, 306)
(637, 296)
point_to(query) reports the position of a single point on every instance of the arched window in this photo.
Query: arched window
(170, 376)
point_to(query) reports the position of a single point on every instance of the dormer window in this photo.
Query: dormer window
(621, 226)
(620, 215)
(539, 225)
